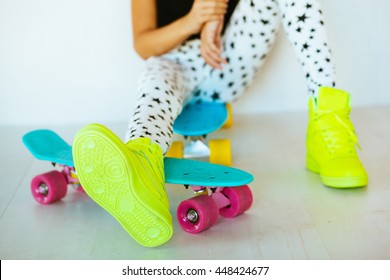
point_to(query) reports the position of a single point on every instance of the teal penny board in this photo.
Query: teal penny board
(47, 145)
(199, 119)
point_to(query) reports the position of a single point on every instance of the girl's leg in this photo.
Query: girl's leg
(304, 25)
(329, 123)
(250, 36)
(128, 180)
(331, 140)
(162, 90)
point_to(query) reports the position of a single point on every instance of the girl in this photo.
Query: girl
(209, 50)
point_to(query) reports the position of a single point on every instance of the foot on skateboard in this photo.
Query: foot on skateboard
(127, 180)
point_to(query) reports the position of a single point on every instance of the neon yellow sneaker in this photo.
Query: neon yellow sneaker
(127, 180)
(331, 141)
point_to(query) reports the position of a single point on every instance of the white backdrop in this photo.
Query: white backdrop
(65, 62)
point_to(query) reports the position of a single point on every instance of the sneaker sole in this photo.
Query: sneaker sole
(106, 170)
(345, 183)
(336, 182)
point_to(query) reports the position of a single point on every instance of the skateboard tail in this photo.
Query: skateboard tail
(47, 145)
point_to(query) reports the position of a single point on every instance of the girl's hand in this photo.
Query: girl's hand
(203, 11)
(211, 46)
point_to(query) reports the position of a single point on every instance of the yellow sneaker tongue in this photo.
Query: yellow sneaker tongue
(332, 99)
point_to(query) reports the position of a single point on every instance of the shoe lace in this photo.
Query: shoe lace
(341, 140)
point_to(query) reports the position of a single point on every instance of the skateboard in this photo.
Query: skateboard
(195, 122)
(219, 189)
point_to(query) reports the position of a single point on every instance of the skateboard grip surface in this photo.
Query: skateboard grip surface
(191, 172)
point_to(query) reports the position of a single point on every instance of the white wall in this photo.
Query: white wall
(72, 61)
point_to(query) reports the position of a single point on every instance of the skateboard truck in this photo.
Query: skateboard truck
(196, 148)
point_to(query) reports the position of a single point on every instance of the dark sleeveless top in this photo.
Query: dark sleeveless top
(171, 10)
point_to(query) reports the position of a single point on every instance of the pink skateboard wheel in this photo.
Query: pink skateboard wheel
(240, 200)
(49, 187)
(197, 214)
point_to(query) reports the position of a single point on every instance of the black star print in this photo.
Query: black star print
(157, 100)
(215, 96)
(305, 46)
(265, 22)
(308, 6)
(302, 18)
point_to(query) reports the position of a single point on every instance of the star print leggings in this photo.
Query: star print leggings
(172, 80)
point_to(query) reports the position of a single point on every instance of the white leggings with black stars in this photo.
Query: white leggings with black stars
(173, 79)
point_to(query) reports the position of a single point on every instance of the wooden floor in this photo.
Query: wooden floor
(293, 216)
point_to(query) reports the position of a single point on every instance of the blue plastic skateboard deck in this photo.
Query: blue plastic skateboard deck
(47, 145)
(198, 119)
(191, 172)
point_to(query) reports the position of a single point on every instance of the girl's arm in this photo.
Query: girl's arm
(152, 41)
